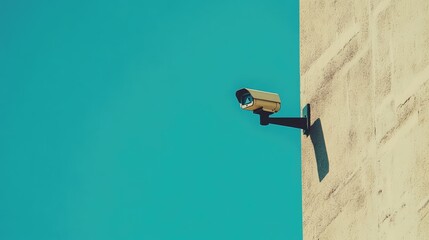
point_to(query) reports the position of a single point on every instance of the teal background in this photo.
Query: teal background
(119, 121)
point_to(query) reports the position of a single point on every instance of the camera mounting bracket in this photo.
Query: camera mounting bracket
(300, 122)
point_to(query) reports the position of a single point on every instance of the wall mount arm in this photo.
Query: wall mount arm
(300, 122)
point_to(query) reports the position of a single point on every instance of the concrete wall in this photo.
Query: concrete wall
(365, 72)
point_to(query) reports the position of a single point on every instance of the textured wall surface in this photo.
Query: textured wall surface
(365, 72)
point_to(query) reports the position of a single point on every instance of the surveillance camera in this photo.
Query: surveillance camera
(251, 99)
(265, 103)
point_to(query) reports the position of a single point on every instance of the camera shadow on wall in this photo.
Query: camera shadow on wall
(319, 146)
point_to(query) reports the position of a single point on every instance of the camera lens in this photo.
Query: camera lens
(246, 99)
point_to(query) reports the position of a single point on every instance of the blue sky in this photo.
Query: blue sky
(119, 120)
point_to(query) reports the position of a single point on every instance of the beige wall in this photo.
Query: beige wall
(365, 72)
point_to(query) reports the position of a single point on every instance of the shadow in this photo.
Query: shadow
(318, 140)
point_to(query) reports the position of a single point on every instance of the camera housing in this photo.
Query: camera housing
(266, 103)
(251, 99)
